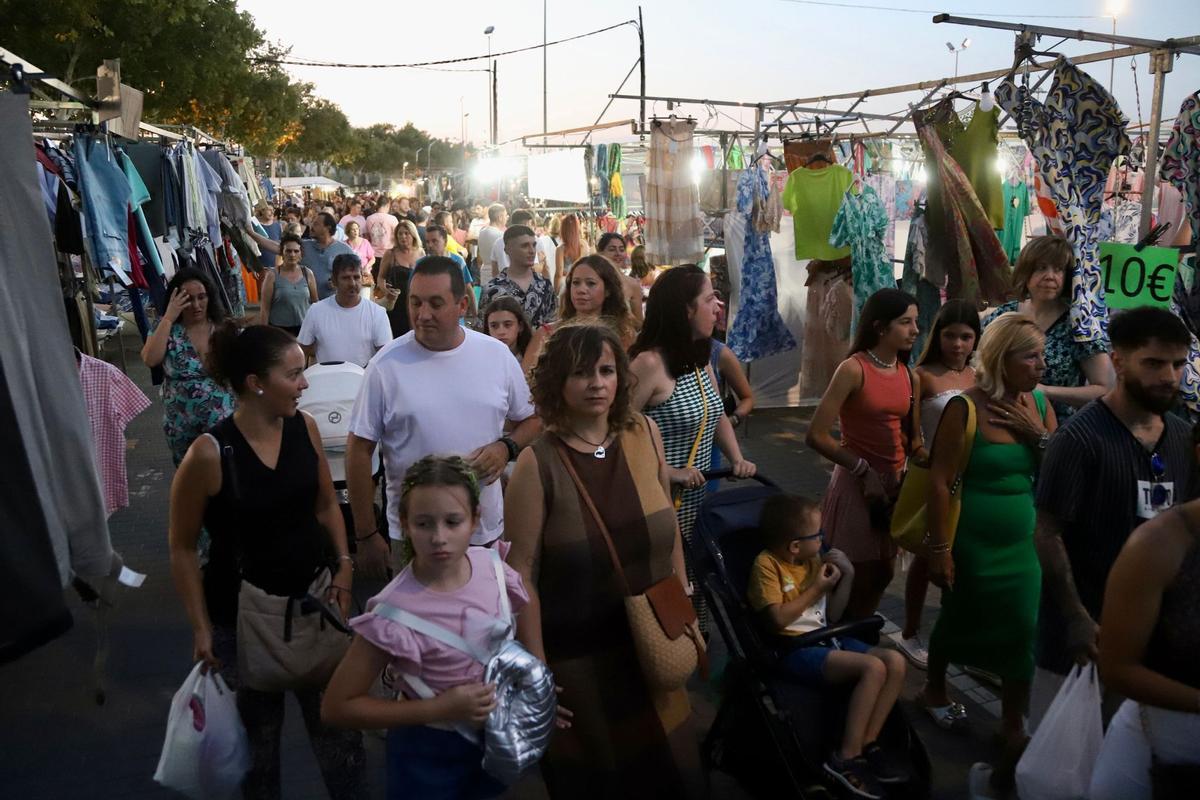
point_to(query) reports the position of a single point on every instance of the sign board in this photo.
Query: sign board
(1135, 278)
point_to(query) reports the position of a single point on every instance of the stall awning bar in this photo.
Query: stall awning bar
(1188, 45)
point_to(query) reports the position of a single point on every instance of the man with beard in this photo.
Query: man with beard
(1119, 461)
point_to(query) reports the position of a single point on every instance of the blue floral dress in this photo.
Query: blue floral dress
(758, 331)
(192, 401)
(861, 223)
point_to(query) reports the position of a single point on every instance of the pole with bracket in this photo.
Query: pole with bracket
(642, 63)
(1161, 62)
(915, 106)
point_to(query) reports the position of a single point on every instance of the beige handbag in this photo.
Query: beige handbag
(662, 619)
(289, 642)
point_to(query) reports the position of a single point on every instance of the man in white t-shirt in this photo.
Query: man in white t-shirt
(438, 389)
(344, 326)
(488, 237)
(380, 229)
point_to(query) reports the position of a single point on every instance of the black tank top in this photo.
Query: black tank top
(263, 521)
(1174, 648)
(398, 319)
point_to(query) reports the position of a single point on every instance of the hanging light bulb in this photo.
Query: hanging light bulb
(986, 101)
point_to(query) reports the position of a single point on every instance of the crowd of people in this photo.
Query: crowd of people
(531, 397)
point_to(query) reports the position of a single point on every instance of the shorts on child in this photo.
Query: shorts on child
(807, 664)
(435, 764)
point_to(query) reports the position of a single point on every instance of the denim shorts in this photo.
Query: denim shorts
(434, 764)
(807, 664)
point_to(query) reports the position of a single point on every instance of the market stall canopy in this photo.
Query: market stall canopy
(310, 182)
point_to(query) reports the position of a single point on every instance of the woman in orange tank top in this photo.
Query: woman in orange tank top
(871, 399)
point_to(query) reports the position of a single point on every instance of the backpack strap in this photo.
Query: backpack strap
(501, 584)
(432, 630)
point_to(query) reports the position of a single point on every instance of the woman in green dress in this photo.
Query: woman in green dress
(988, 567)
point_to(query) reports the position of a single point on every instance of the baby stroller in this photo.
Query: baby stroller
(329, 398)
(772, 733)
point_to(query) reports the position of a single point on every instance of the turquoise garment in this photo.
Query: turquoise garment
(192, 401)
(861, 224)
(1016, 209)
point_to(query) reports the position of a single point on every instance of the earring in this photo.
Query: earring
(258, 392)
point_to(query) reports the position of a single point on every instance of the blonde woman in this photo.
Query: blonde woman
(1076, 372)
(989, 613)
(404, 255)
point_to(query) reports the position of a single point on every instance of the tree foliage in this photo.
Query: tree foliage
(204, 63)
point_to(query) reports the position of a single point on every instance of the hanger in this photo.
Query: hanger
(821, 156)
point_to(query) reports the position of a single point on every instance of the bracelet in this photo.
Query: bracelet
(861, 468)
(939, 548)
(368, 536)
(511, 445)
(347, 558)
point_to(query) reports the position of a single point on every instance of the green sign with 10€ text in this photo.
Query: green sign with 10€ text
(1135, 278)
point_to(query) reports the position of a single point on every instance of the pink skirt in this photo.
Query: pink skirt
(847, 519)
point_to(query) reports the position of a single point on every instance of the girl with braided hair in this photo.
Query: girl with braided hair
(449, 585)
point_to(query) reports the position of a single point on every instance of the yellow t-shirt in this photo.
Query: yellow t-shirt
(775, 582)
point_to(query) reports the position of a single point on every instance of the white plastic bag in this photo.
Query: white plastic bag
(206, 753)
(1058, 763)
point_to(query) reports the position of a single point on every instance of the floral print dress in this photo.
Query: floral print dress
(192, 401)
(861, 224)
(758, 330)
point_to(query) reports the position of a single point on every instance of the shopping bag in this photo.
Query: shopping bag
(205, 753)
(1058, 763)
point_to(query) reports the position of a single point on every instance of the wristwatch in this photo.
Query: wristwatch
(1043, 440)
(735, 420)
(513, 449)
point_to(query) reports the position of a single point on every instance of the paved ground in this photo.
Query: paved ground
(56, 742)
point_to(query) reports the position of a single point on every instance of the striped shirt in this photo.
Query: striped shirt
(1095, 481)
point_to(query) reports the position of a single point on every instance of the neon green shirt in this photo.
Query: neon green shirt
(814, 197)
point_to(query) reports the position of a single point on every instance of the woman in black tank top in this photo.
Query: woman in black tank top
(259, 484)
(1150, 653)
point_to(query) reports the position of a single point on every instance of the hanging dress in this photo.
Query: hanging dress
(674, 231)
(1074, 137)
(861, 224)
(758, 330)
(961, 237)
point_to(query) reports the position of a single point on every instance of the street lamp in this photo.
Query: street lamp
(404, 172)
(1112, 8)
(488, 31)
(956, 50)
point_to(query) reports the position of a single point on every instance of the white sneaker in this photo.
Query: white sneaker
(979, 782)
(913, 649)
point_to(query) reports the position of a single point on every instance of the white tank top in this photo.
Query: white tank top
(931, 413)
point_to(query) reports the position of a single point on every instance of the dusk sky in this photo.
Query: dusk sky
(752, 50)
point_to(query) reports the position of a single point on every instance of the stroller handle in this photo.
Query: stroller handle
(726, 473)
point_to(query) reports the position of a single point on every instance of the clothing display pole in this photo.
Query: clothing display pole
(976, 77)
(1161, 62)
(642, 65)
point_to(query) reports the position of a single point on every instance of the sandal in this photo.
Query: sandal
(949, 717)
(855, 775)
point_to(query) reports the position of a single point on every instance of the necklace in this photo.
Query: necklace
(599, 452)
(879, 362)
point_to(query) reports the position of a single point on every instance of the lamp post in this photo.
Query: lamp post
(488, 31)
(1113, 8)
(956, 50)
(404, 172)
(464, 136)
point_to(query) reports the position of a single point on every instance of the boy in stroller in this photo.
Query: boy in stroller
(797, 590)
